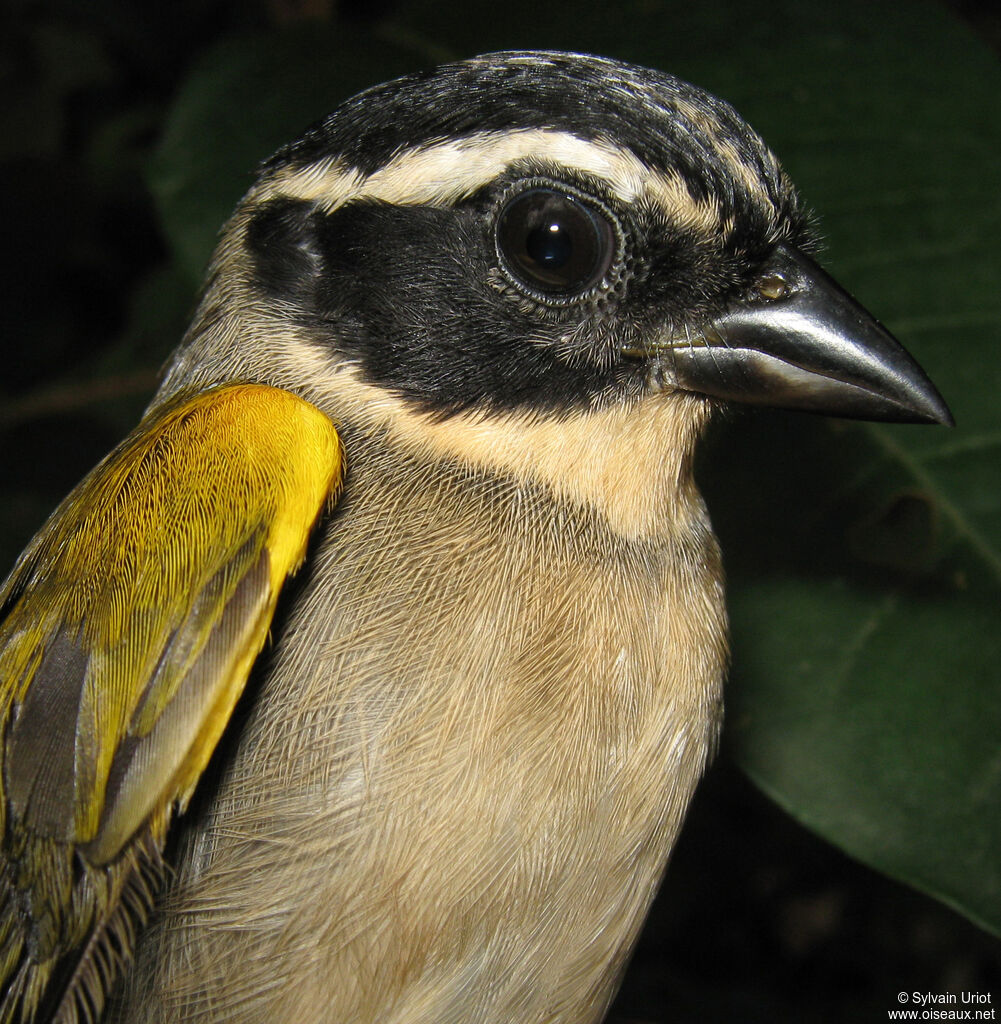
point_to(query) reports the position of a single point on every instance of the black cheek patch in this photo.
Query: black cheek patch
(405, 292)
(281, 238)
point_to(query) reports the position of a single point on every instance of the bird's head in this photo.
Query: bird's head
(540, 236)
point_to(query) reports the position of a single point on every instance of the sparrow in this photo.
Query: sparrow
(431, 431)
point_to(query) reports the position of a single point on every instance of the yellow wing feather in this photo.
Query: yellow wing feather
(127, 632)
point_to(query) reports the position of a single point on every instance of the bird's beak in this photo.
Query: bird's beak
(804, 343)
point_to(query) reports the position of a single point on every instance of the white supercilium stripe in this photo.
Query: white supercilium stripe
(444, 173)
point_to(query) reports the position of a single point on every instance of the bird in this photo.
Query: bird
(370, 678)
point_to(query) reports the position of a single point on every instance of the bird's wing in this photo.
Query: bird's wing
(127, 632)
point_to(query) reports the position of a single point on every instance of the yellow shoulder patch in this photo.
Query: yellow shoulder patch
(129, 626)
(192, 524)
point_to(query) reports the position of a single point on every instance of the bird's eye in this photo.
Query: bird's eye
(553, 243)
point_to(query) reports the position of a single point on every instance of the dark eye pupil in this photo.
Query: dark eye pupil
(554, 243)
(550, 245)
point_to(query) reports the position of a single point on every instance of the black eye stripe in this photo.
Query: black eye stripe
(554, 243)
